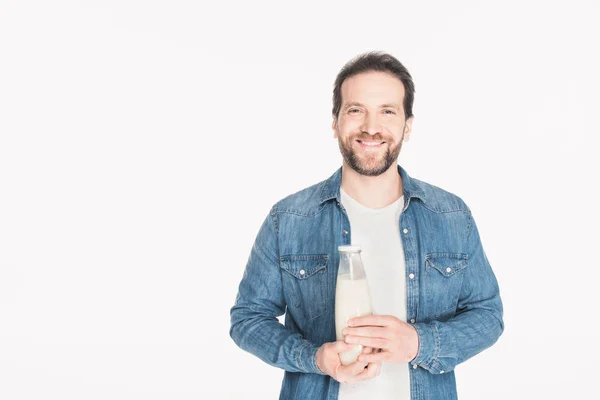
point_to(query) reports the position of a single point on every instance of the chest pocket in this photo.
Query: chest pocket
(444, 274)
(305, 283)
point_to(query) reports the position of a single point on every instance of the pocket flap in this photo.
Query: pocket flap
(303, 266)
(447, 264)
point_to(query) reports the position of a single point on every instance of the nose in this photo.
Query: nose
(371, 125)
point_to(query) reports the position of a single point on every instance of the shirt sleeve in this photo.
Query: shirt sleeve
(260, 300)
(478, 322)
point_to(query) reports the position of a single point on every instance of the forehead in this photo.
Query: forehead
(372, 86)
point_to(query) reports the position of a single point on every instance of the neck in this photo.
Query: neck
(372, 191)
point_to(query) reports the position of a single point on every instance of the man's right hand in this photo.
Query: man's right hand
(328, 361)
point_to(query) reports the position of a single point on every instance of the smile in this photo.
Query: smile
(369, 144)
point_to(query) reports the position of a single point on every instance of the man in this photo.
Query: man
(436, 300)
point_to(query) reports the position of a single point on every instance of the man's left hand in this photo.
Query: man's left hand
(398, 341)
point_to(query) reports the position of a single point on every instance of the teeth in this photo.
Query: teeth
(371, 143)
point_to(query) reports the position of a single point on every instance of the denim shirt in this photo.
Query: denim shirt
(453, 299)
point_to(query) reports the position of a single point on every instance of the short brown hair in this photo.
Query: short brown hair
(375, 61)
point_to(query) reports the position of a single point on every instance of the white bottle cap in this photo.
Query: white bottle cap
(350, 248)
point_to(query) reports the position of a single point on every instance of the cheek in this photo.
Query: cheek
(348, 127)
(393, 130)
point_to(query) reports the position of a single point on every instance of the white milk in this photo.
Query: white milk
(352, 299)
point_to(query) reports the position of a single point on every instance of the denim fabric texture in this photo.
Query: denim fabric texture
(453, 299)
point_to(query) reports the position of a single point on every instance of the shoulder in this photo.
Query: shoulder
(439, 200)
(304, 203)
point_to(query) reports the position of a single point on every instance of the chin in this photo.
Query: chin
(371, 170)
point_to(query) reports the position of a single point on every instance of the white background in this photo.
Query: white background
(143, 142)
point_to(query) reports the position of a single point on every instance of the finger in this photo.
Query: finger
(384, 356)
(367, 350)
(368, 341)
(375, 369)
(341, 346)
(370, 331)
(353, 369)
(373, 320)
(370, 372)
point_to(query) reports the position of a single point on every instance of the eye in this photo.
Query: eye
(389, 112)
(352, 110)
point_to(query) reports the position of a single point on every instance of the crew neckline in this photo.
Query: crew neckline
(362, 207)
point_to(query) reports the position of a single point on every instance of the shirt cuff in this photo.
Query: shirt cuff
(429, 348)
(307, 358)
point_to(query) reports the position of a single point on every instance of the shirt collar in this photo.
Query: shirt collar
(331, 187)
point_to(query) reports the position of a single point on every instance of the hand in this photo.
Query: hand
(328, 361)
(398, 341)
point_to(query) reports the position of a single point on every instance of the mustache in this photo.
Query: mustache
(379, 137)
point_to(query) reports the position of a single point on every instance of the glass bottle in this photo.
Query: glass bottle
(352, 296)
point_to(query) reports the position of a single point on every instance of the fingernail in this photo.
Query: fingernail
(345, 331)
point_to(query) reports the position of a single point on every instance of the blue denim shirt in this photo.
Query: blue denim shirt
(453, 300)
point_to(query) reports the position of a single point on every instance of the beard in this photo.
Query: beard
(370, 164)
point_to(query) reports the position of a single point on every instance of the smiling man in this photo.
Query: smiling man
(436, 301)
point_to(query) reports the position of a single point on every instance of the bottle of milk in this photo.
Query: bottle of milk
(352, 296)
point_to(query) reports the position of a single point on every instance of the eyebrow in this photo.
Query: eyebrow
(357, 104)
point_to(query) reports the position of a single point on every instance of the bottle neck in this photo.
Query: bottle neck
(351, 265)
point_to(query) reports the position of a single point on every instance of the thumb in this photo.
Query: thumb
(341, 346)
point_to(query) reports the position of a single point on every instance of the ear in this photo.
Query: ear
(334, 128)
(408, 128)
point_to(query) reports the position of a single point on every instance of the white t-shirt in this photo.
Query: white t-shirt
(377, 232)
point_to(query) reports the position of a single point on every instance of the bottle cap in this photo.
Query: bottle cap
(349, 248)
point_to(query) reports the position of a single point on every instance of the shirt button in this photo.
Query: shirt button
(405, 230)
(345, 232)
(302, 272)
(411, 276)
(448, 269)
(415, 366)
(412, 321)
(441, 372)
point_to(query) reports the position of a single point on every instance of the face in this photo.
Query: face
(371, 126)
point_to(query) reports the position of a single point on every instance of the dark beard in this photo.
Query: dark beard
(390, 157)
